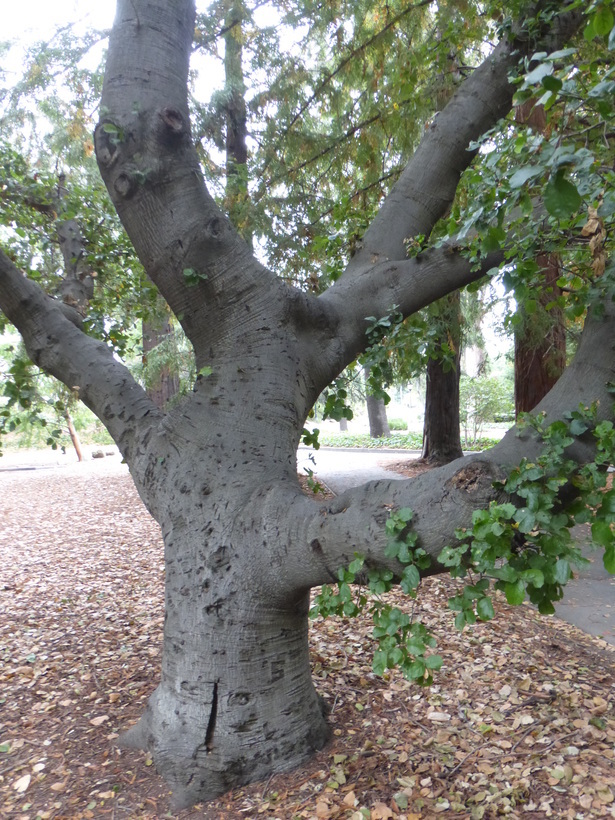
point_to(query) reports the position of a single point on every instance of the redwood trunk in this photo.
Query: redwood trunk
(540, 339)
(540, 343)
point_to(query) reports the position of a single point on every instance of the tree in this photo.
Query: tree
(243, 544)
(441, 430)
(376, 412)
(540, 338)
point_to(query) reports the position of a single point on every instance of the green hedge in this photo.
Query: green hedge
(408, 441)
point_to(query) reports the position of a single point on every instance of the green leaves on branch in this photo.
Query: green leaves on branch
(383, 335)
(522, 547)
(562, 198)
(526, 546)
(402, 641)
(335, 398)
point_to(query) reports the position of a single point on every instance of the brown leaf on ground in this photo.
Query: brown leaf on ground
(520, 721)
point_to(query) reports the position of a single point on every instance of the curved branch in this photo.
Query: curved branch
(427, 186)
(444, 499)
(86, 366)
(149, 164)
(406, 286)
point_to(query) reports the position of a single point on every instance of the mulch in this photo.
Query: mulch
(520, 721)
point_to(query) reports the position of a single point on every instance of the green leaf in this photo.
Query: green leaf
(515, 593)
(356, 565)
(433, 661)
(522, 175)
(603, 20)
(609, 559)
(562, 573)
(538, 74)
(484, 609)
(602, 533)
(410, 578)
(460, 621)
(561, 197)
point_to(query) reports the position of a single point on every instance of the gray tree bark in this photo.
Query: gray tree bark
(243, 545)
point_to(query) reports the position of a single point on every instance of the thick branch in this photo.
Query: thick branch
(427, 186)
(407, 286)
(444, 498)
(84, 365)
(146, 157)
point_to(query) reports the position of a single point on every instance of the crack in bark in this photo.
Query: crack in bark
(211, 724)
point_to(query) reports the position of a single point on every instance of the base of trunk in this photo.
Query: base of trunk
(244, 711)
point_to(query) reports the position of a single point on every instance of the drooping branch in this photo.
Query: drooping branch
(85, 365)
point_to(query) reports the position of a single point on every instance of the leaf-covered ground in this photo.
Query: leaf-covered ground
(520, 723)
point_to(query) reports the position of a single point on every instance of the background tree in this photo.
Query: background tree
(441, 430)
(540, 336)
(243, 544)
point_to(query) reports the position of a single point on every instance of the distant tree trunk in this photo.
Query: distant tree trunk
(540, 343)
(166, 384)
(237, 196)
(540, 339)
(343, 425)
(377, 416)
(376, 412)
(74, 435)
(441, 433)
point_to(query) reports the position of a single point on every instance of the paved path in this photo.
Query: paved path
(589, 600)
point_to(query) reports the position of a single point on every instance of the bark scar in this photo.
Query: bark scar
(211, 725)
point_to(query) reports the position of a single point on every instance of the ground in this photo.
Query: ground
(520, 722)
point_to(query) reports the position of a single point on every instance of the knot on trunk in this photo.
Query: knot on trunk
(107, 138)
(475, 479)
(173, 126)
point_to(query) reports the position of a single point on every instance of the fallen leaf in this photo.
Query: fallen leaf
(381, 812)
(22, 784)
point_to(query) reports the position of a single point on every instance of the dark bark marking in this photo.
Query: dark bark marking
(125, 185)
(277, 670)
(316, 546)
(239, 699)
(106, 151)
(211, 725)
(214, 228)
(470, 478)
(173, 120)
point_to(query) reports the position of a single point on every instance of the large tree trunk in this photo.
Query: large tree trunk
(243, 546)
(441, 428)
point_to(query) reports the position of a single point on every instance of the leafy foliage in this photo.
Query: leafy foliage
(401, 640)
(526, 545)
